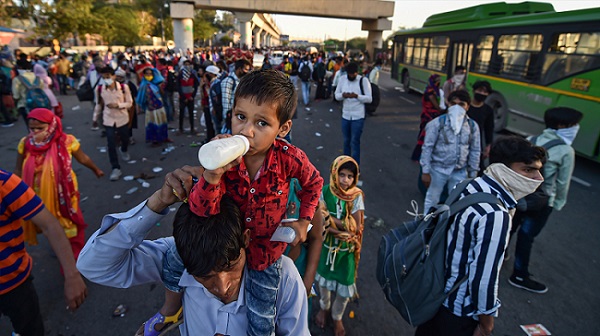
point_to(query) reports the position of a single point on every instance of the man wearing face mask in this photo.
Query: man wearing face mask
(457, 82)
(477, 239)
(483, 115)
(354, 95)
(562, 125)
(451, 149)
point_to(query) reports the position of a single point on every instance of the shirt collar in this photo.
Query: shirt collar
(506, 197)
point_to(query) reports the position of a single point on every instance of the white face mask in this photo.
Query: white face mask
(108, 81)
(518, 185)
(568, 134)
(456, 113)
(458, 79)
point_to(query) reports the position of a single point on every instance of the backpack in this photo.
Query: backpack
(538, 199)
(305, 72)
(411, 264)
(171, 81)
(35, 97)
(319, 72)
(371, 107)
(85, 92)
(78, 69)
(216, 96)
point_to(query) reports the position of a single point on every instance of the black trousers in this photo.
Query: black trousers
(444, 323)
(190, 107)
(210, 129)
(22, 307)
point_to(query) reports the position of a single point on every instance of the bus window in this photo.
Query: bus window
(421, 45)
(484, 54)
(437, 53)
(571, 53)
(408, 50)
(517, 53)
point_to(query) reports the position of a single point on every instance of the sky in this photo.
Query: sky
(407, 13)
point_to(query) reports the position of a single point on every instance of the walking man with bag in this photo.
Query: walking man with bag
(477, 238)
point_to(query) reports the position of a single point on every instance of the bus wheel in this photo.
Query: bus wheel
(500, 107)
(406, 81)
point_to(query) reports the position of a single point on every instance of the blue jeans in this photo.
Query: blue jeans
(111, 139)
(172, 270)
(352, 130)
(305, 92)
(261, 299)
(438, 182)
(529, 224)
(167, 98)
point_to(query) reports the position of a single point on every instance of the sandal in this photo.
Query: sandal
(169, 323)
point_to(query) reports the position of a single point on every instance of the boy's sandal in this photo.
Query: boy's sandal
(169, 323)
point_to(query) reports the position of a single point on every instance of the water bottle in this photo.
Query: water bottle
(220, 152)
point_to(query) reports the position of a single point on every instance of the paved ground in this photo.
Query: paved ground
(564, 256)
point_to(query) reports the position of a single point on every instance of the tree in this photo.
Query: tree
(225, 22)
(122, 24)
(357, 43)
(63, 18)
(204, 27)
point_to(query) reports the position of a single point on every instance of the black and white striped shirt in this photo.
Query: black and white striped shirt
(476, 241)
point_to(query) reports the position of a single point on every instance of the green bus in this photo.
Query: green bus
(534, 57)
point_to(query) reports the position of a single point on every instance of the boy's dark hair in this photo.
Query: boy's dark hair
(562, 116)
(459, 68)
(462, 95)
(349, 166)
(513, 148)
(221, 64)
(482, 85)
(239, 64)
(107, 70)
(269, 87)
(208, 244)
(352, 67)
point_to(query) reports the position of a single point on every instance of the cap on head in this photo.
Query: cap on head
(213, 69)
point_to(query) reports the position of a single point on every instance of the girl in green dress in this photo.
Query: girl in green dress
(338, 265)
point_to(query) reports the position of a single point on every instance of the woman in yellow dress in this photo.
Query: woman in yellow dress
(44, 163)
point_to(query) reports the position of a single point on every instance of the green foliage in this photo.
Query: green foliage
(123, 25)
(204, 27)
(357, 43)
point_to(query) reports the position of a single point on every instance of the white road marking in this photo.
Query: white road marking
(408, 100)
(580, 181)
(383, 89)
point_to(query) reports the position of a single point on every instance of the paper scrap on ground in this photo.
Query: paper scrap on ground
(330, 110)
(146, 185)
(535, 330)
(132, 190)
(117, 196)
(317, 134)
(307, 108)
(319, 147)
(132, 161)
(128, 178)
(76, 107)
(327, 125)
(69, 127)
(157, 169)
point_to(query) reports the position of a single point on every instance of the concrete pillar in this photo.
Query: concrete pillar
(375, 37)
(183, 25)
(245, 20)
(257, 34)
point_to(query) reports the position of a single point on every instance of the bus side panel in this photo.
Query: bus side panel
(587, 141)
(419, 78)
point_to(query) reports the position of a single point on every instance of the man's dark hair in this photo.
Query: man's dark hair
(208, 244)
(513, 148)
(482, 85)
(239, 64)
(269, 87)
(352, 67)
(462, 95)
(221, 64)
(96, 59)
(162, 61)
(459, 68)
(562, 117)
(107, 70)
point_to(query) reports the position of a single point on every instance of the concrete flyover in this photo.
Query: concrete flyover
(374, 15)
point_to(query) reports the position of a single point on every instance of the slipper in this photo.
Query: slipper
(169, 323)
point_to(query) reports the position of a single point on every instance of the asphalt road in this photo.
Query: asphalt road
(564, 256)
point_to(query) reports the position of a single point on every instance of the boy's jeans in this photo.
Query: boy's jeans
(529, 225)
(438, 182)
(305, 92)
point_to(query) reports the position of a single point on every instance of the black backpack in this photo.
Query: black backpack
(305, 72)
(371, 107)
(538, 199)
(411, 264)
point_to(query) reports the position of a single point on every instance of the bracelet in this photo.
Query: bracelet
(481, 330)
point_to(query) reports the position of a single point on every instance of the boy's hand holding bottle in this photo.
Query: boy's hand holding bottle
(222, 153)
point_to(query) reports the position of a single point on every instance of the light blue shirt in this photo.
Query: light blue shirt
(122, 258)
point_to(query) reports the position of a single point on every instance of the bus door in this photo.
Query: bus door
(461, 55)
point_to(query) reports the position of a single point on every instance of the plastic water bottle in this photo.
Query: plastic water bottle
(286, 234)
(218, 153)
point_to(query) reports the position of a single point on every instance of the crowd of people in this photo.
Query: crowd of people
(221, 256)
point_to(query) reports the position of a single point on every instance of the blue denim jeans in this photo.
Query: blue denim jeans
(438, 182)
(352, 131)
(172, 270)
(529, 224)
(261, 299)
(305, 92)
(167, 98)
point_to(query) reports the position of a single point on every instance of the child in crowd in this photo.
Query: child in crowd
(338, 265)
(259, 183)
(44, 164)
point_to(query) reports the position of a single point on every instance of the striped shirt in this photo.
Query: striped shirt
(228, 86)
(17, 201)
(476, 241)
